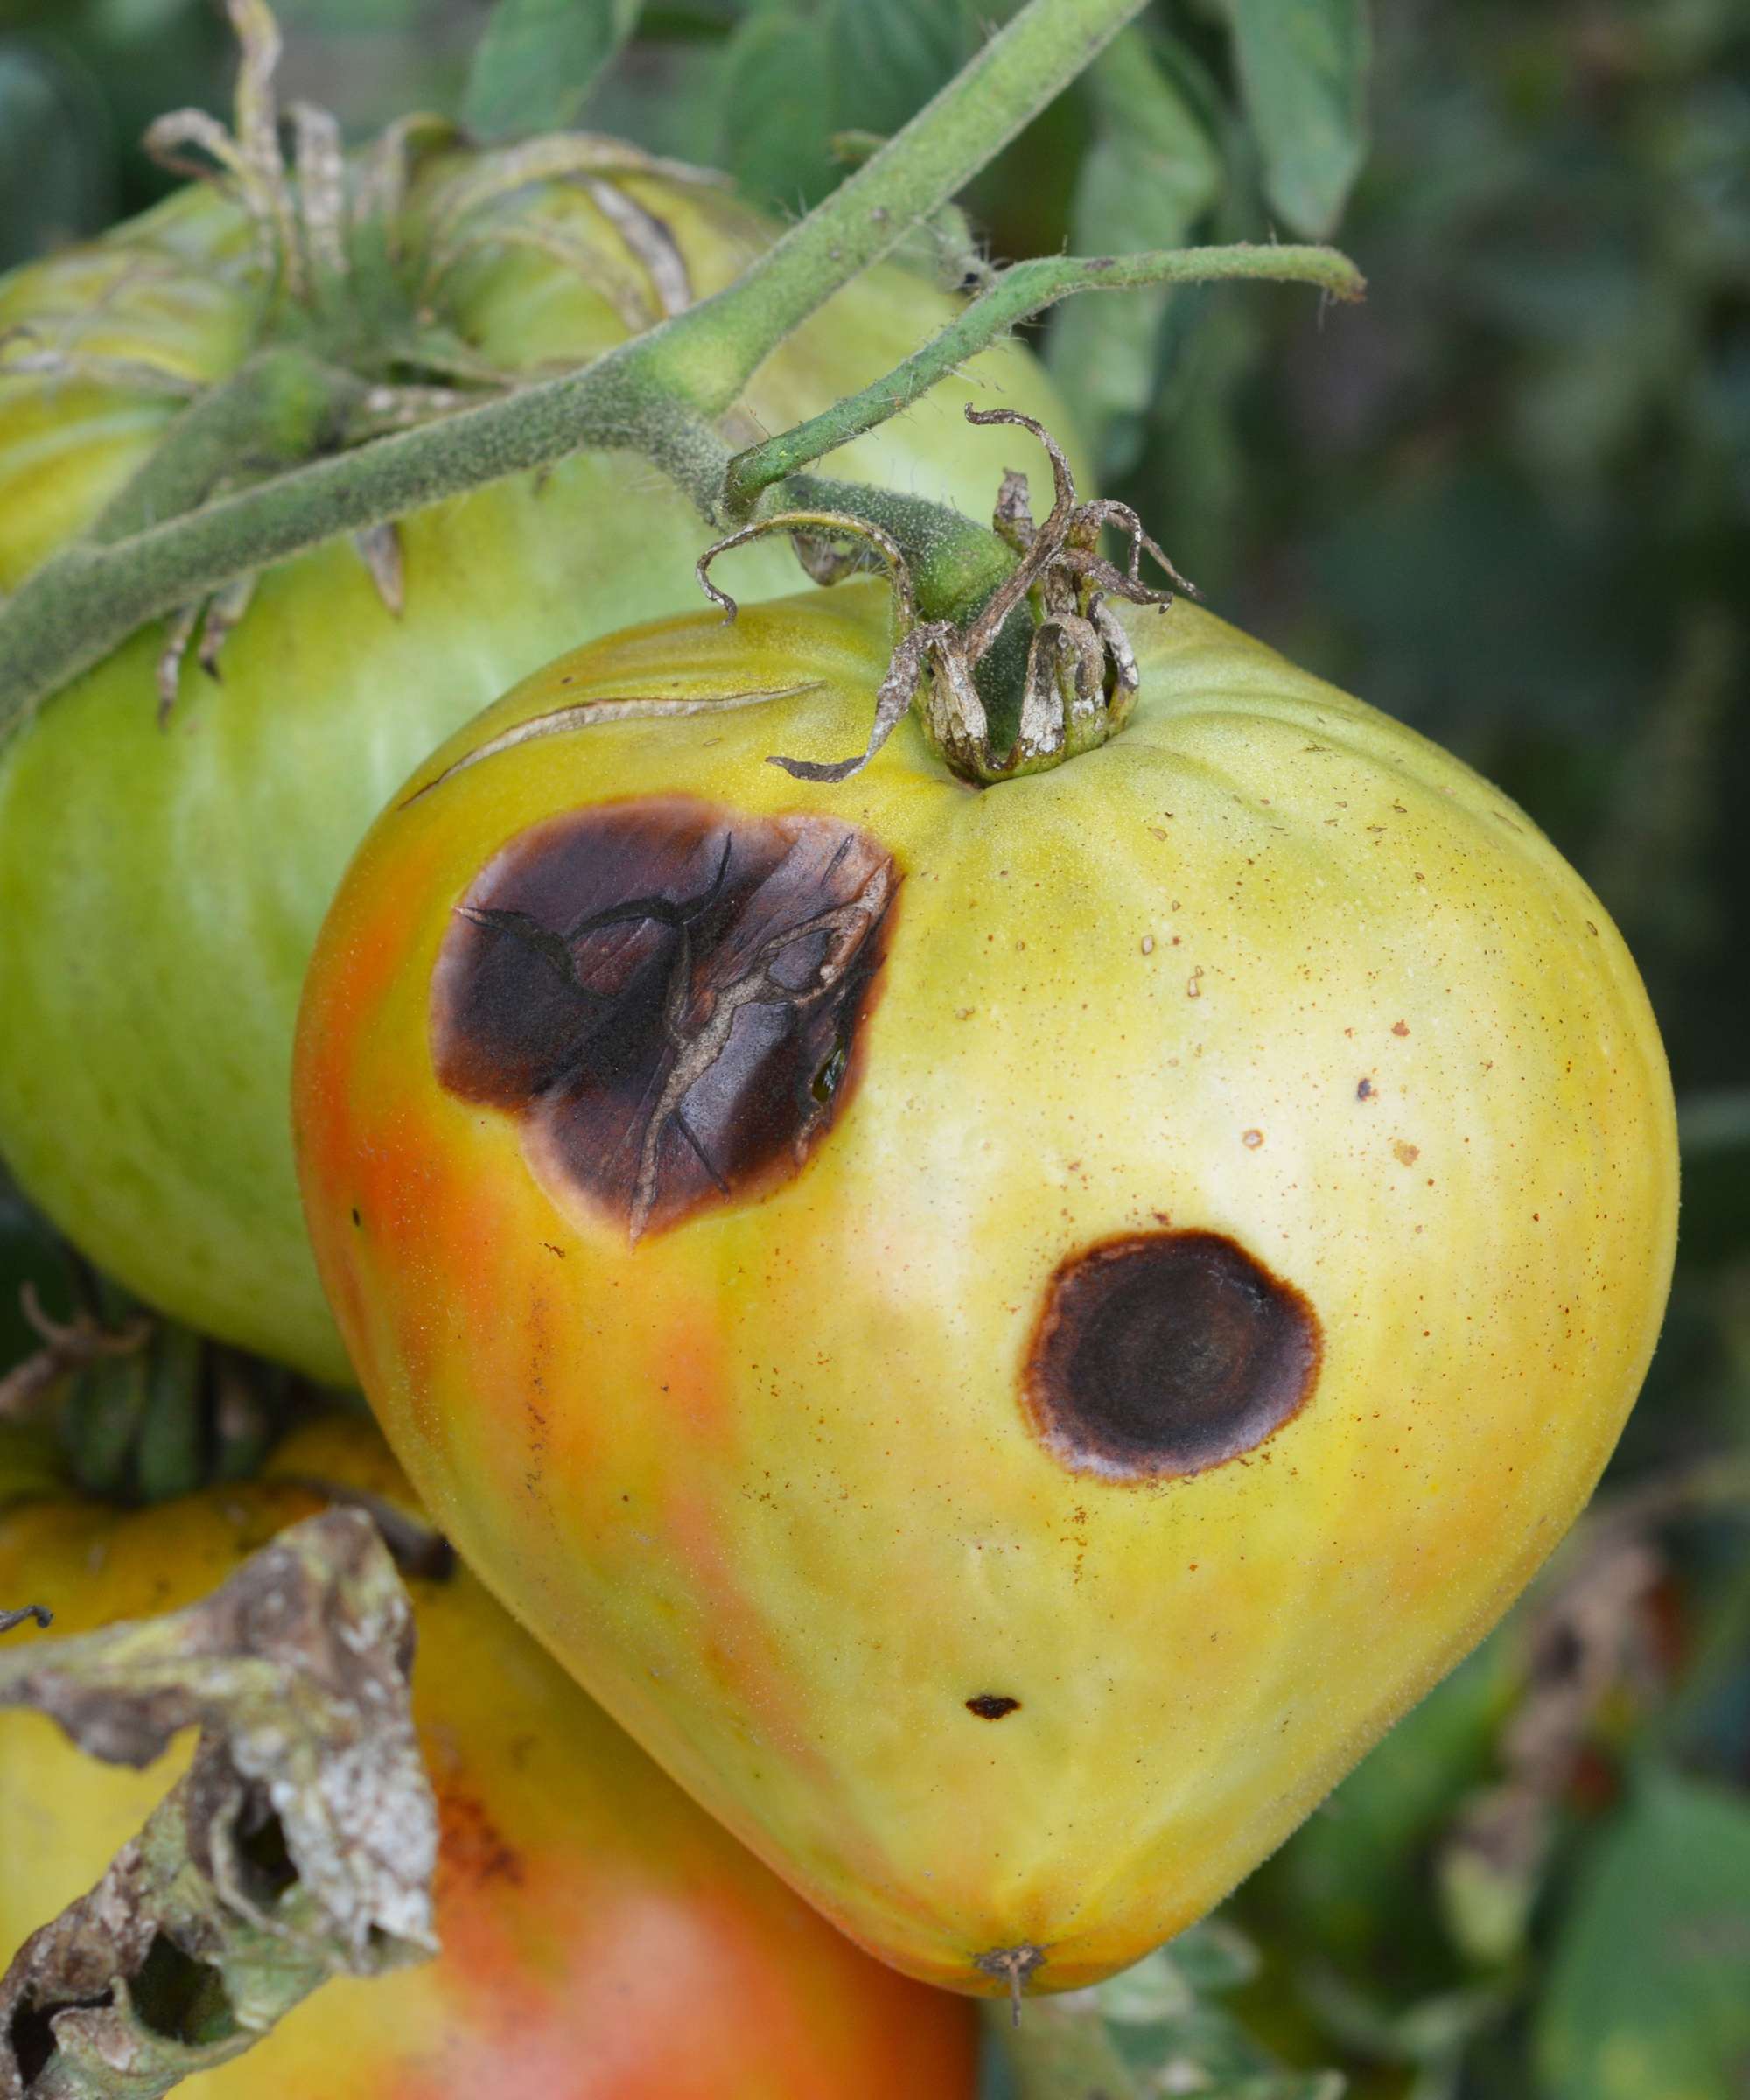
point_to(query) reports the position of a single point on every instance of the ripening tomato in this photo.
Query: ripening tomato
(160, 887)
(602, 1938)
(1006, 1333)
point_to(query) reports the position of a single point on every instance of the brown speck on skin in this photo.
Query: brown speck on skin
(357, 1220)
(993, 1705)
(1252, 1139)
(1161, 1355)
(1364, 1092)
(668, 995)
(1406, 1155)
(1400, 1027)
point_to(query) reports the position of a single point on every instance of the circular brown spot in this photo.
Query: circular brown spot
(668, 995)
(1163, 1353)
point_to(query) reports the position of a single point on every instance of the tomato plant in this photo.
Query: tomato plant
(602, 1938)
(164, 865)
(1005, 1334)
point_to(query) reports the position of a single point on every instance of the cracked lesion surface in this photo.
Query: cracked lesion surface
(669, 994)
(1163, 1353)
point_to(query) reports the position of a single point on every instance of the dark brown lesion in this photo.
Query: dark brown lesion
(1165, 1354)
(670, 995)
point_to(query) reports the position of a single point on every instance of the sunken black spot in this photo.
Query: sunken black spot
(669, 994)
(991, 1706)
(1166, 1354)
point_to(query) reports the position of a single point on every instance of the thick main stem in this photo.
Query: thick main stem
(279, 408)
(710, 353)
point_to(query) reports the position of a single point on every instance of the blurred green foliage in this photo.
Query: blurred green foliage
(1509, 500)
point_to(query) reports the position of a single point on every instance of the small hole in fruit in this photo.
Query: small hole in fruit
(1162, 1355)
(991, 1706)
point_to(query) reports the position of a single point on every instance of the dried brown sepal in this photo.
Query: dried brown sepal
(1589, 1640)
(224, 609)
(179, 633)
(299, 1845)
(82, 1340)
(1082, 678)
(1594, 1644)
(379, 547)
(1013, 1966)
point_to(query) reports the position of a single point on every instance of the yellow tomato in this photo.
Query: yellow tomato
(1005, 1334)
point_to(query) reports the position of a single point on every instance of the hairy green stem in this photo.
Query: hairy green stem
(279, 408)
(711, 351)
(655, 395)
(955, 563)
(80, 605)
(1021, 291)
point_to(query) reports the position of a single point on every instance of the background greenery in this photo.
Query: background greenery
(1509, 500)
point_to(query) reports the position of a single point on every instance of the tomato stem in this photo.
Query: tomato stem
(657, 394)
(279, 408)
(1016, 293)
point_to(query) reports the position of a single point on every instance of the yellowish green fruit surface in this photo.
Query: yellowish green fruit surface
(1075, 1378)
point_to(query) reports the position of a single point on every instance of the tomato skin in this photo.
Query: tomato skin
(160, 889)
(1267, 966)
(602, 1938)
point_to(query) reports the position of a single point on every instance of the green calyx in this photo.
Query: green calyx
(129, 1406)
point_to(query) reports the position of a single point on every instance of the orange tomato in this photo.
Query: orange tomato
(603, 1939)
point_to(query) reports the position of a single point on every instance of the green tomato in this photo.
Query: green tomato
(161, 884)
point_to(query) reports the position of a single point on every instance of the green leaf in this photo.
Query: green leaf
(778, 118)
(888, 58)
(538, 59)
(1348, 1882)
(799, 75)
(1649, 1997)
(1150, 2031)
(54, 150)
(1151, 173)
(1303, 70)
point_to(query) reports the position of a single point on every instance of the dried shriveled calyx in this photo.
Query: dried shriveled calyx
(299, 1845)
(1079, 682)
